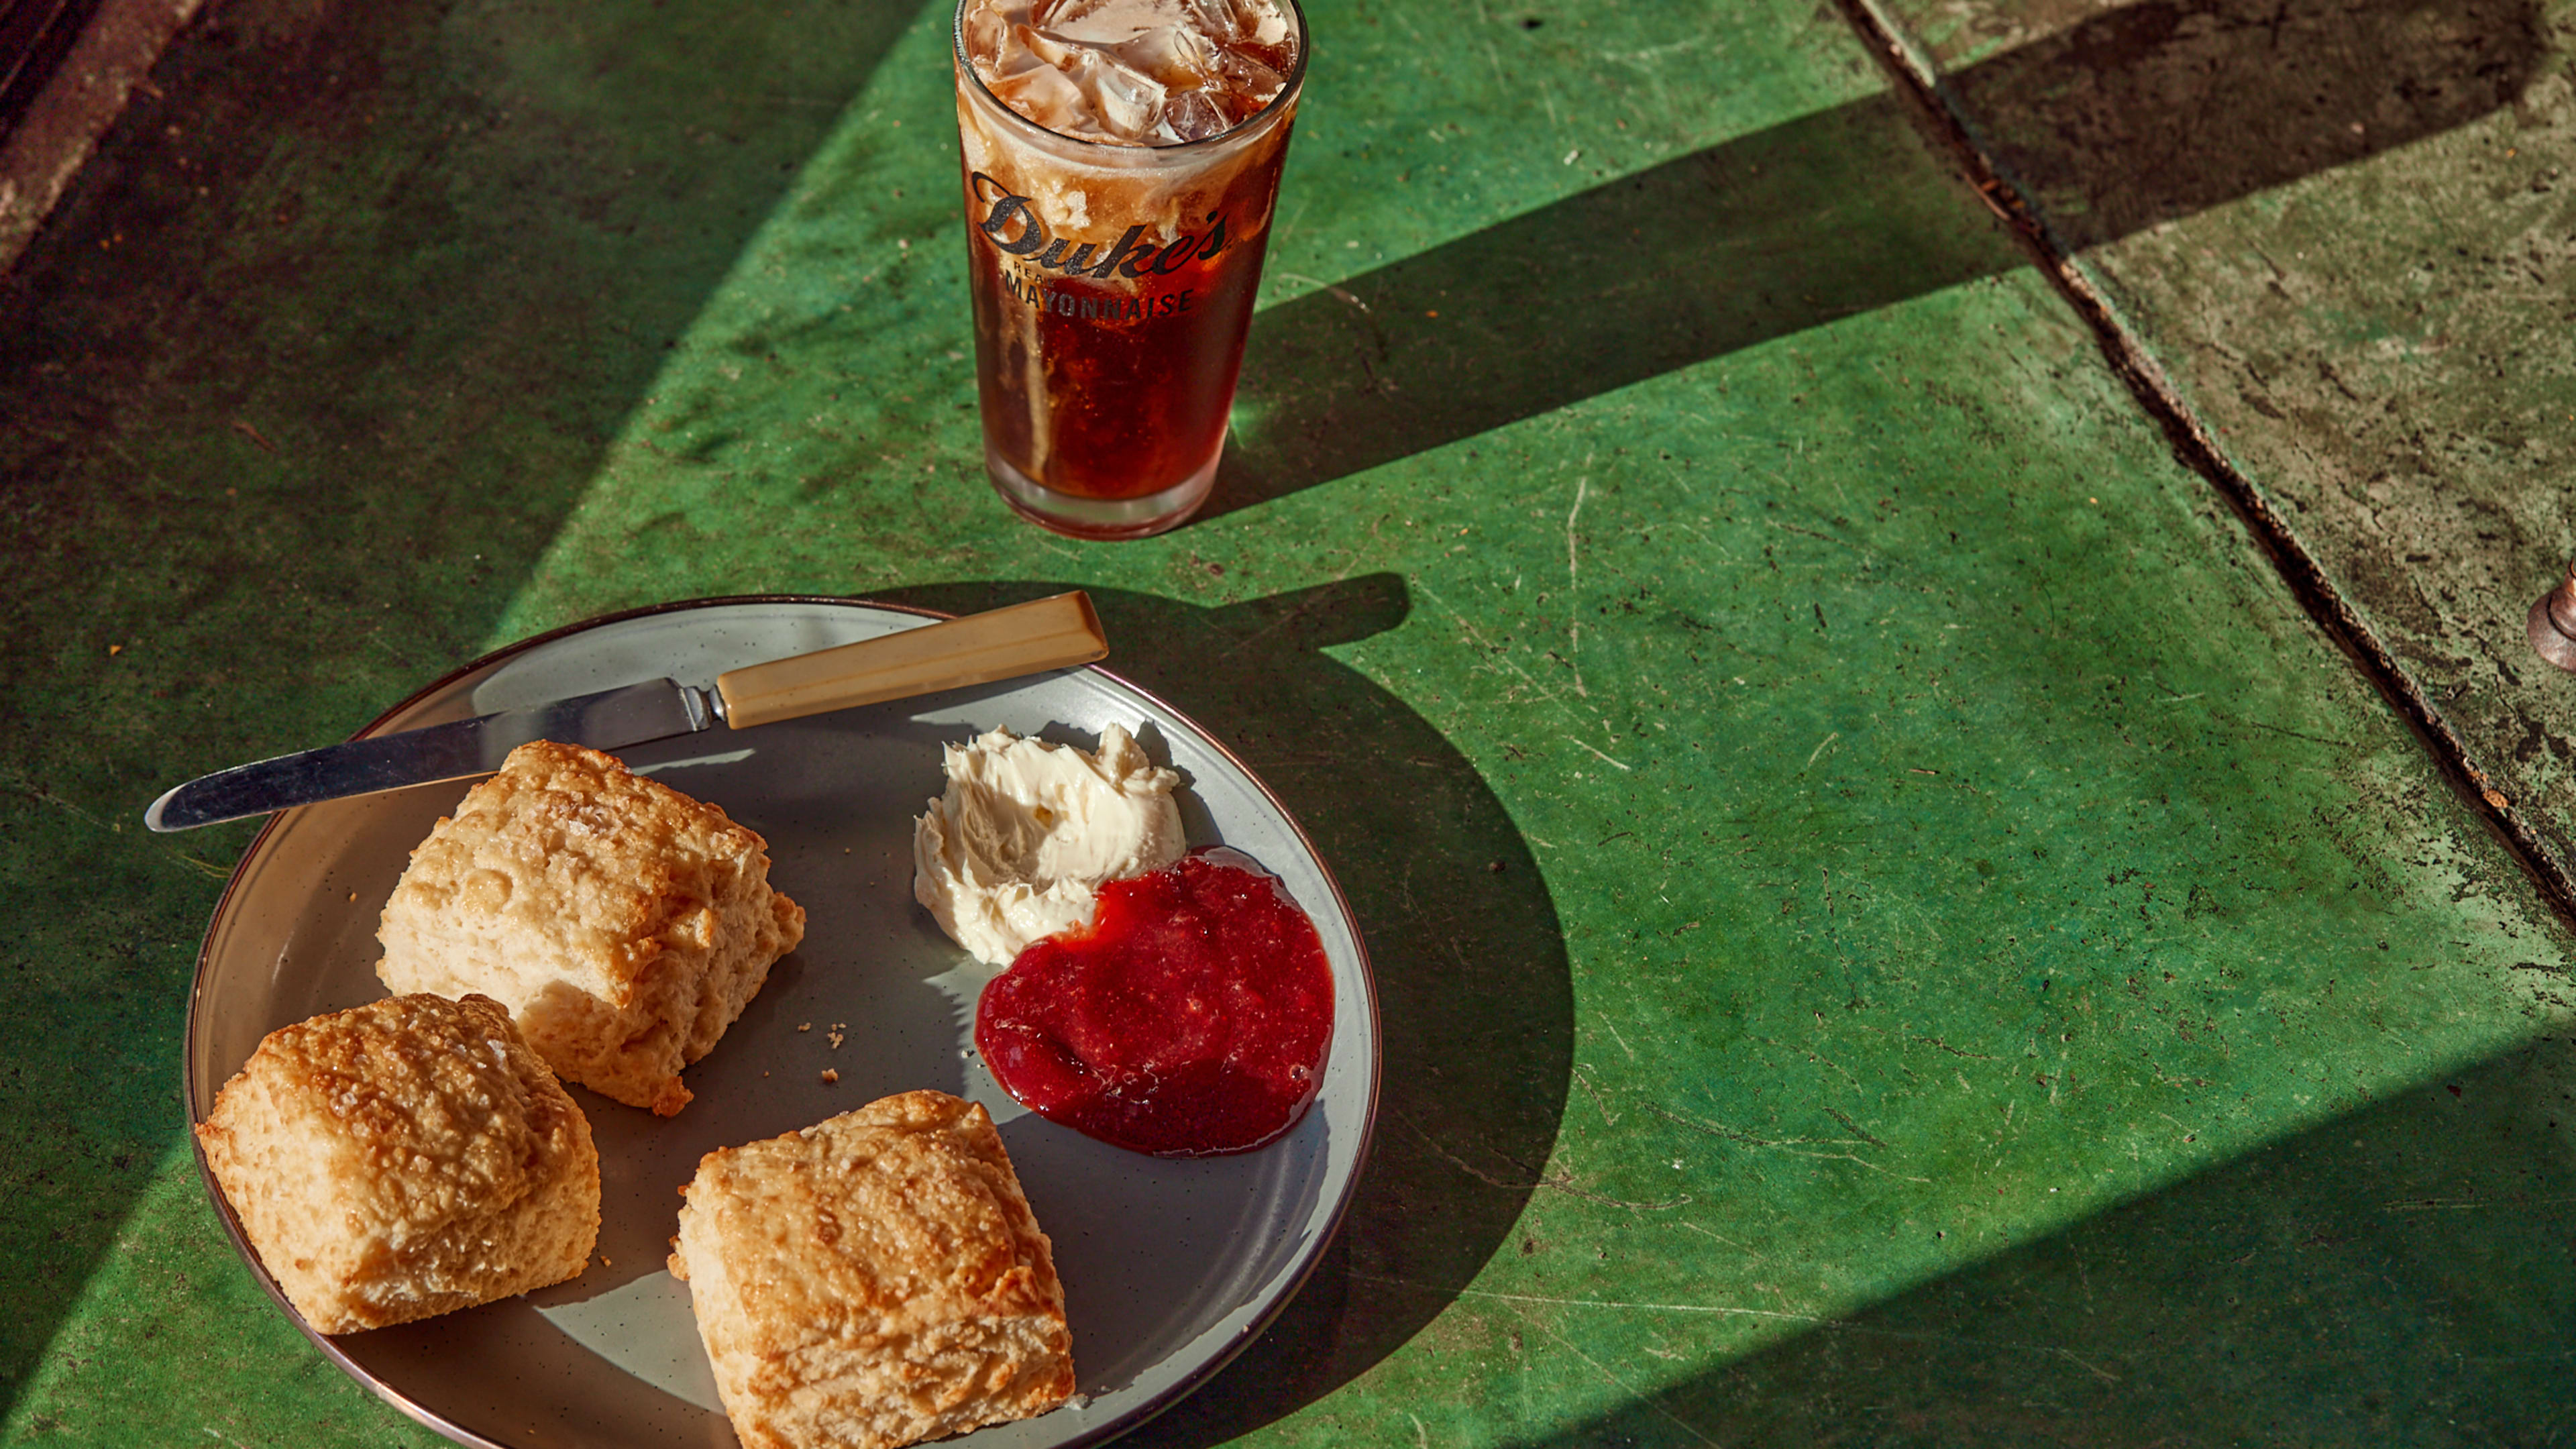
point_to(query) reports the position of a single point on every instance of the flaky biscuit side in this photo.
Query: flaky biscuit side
(625, 924)
(404, 1159)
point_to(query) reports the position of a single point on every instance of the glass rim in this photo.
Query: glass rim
(1292, 83)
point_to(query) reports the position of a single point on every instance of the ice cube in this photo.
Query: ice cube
(1261, 22)
(1192, 116)
(1105, 23)
(1045, 95)
(988, 40)
(1174, 55)
(1218, 20)
(1138, 71)
(1244, 85)
(1054, 13)
(1126, 102)
(1042, 48)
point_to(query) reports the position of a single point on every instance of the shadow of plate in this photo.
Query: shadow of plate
(1473, 988)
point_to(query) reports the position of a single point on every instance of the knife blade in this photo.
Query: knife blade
(1051, 633)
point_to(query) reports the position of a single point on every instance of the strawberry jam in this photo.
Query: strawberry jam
(1191, 1019)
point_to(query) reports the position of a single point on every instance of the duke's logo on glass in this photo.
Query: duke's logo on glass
(1011, 222)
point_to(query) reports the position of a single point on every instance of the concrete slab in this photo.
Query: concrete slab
(104, 51)
(2341, 233)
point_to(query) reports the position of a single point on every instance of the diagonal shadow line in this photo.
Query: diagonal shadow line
(1827, 216)
(388, 245)
(2395, 1275)
(2136, 116)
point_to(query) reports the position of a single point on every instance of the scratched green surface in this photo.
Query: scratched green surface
(2344, 231)
(1892, 927)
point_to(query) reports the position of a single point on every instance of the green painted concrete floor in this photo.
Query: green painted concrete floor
(1986, 950)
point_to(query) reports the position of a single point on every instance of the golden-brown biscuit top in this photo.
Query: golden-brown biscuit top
(914, 1210)
(425, 1104)
(603, 863)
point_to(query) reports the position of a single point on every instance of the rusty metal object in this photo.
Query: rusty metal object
(2552, 625)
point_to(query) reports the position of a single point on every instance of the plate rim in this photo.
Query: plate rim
(1301, 1271)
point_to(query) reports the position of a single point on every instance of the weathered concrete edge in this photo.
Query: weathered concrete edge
(1935, 107)
(114, 53)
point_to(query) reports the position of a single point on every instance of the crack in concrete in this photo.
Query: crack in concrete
(1919, 82)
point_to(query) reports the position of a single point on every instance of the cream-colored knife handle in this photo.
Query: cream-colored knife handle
(1043, 634)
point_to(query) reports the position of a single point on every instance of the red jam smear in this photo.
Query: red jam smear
(1190, 1020)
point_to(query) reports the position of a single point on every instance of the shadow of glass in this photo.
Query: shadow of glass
(345, 309)
(1472, 978)
(2145, 113)
(1827, 216)
(2397, 1276)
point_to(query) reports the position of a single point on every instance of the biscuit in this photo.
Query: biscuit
(403, 1159)
(876, 1279)
(624, 924)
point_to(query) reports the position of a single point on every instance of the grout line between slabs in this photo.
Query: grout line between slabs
(1919, 80)
(112, 56)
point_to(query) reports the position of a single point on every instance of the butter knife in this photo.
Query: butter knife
(1051, 633)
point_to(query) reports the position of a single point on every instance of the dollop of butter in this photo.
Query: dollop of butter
(1027, 832)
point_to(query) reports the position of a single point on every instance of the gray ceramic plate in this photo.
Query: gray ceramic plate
(1169, 1267)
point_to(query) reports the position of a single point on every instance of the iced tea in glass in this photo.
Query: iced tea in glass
(1120, 162)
